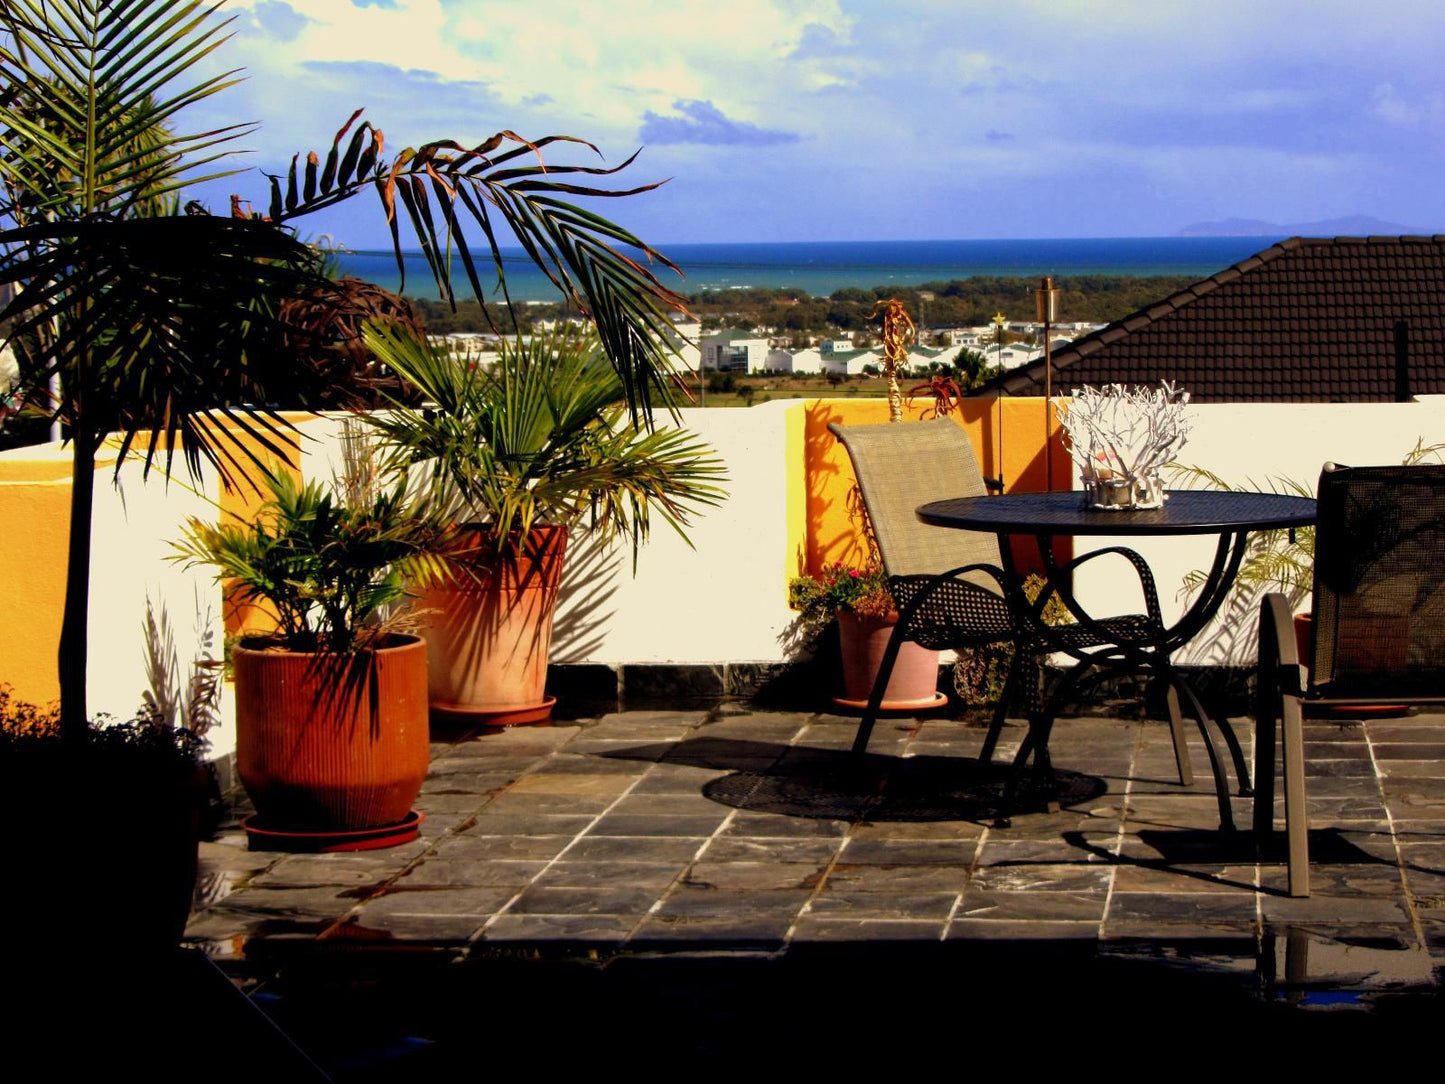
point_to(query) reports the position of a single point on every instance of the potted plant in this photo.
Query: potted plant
(332, 739)
(858, 599)
(519, 454)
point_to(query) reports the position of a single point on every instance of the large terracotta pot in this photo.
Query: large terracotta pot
(317, 760)
(489, 636)
(913, 683)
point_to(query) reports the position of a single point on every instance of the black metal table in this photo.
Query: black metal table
(1149, 645)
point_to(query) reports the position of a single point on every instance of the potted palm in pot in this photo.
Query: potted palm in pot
(520, 453)
(332, 740)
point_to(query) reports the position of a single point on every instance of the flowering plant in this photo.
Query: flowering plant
(862, 591)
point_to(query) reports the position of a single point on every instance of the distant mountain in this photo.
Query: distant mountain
(1349, 226)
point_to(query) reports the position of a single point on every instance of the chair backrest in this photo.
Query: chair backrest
(1379, 592)
(904, 464)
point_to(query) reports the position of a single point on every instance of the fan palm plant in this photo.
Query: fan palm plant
(541, 437)
(151, 316)
(519, 452)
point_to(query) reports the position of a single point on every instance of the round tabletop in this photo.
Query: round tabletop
(1185, 511)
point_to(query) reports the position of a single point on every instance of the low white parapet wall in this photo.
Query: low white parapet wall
(722, 600)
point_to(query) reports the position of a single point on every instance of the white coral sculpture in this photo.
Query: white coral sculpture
(1122, 432)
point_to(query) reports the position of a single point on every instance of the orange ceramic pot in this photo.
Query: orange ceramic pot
(488, 635)
(912, 685)
(317, 759)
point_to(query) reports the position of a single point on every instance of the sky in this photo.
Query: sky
(801, 120)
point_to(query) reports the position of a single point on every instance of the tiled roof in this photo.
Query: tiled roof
(1306, 320)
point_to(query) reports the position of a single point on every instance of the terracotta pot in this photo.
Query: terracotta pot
(315, 759)
(489, 637)
(914, 681)
(1394, 655)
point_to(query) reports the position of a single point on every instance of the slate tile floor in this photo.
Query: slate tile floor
(753, 830)
(705, 882)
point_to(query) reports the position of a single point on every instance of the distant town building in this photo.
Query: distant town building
(734, 352)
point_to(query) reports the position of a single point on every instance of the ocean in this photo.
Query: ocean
(821, 267)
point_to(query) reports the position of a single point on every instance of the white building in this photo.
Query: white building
(734, 352)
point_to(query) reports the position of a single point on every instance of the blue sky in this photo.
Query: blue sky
(786, 120)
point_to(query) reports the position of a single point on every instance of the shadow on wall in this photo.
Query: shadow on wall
(584, 610)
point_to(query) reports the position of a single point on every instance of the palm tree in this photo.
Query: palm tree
(152, 316)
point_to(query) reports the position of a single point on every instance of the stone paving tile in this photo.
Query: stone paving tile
(909, 852)
(1331, 910)
(453, 802)
(1012, 852)
(633, 848)
(441, 870)
(373, 928)
(603, 929)
(675, 804)
(1052, 826)
(1045, 876)
(1330, 751)
(520, 803)
(436, 825)
(301, 902)
(1174, 933)
(1355, 880)
(571, 762)
(419, 900)
(366, 867)
(466, 773)
(996, 929)
(1175, 878)
(1360, 767)
(595, 784)
(489, 823)
(1057, 906)
(653, 876)
(813, 852)
(1425, 751)
(476, 846)
(827, 928)
(753, 875)
(617, 824)
(762, 931)
(1412, 769)
(753, 825)
(842, 903)
(711, 902)
(958, 830)
(675, 779)
(592, 900)
(1188, 907)
(852, 878)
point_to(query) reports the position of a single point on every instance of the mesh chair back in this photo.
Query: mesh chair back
(902, 465)
(1379, 593)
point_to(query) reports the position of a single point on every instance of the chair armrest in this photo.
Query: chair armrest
(1276, 618)
(1141, 567)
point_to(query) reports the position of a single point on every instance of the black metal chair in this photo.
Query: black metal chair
(948, 584)
(1379, 623)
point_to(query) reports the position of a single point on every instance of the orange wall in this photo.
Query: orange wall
(34, 533)
(1007, 437)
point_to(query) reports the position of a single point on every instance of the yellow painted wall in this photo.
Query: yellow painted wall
(34, 533)
(1007, 436)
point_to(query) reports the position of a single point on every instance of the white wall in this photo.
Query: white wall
(134, 523)
(725, 600)
(1256, 444)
